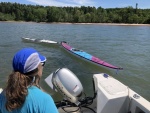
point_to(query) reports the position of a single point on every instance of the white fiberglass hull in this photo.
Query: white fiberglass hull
(38, 40)
(113, 97)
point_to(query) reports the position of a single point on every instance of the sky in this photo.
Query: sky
(142, 4)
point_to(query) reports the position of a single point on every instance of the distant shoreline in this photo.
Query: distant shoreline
(113, 24)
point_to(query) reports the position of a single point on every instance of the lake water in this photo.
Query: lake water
(124, 46)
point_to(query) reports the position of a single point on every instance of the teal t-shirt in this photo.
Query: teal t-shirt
(36, 101)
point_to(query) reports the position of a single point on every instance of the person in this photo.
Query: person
(22, 93)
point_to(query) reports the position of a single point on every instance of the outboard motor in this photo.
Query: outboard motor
(66, 82)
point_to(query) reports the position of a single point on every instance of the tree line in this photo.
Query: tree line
(36, 13)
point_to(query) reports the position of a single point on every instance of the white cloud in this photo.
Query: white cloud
(63, 2)
(84, 2)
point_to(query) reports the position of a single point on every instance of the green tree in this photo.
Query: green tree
(17, 12)
(53, 14)
(40, 14)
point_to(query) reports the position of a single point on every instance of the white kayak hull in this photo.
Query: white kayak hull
(38, 40)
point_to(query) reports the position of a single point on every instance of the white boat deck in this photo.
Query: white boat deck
(114, 97)
(1, 90)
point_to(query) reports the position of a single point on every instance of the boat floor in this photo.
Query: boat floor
(79, 110)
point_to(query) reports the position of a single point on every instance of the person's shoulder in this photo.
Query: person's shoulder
(43, 100)
(33, 90)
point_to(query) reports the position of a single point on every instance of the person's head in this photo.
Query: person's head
(27, 70)
(27, 61)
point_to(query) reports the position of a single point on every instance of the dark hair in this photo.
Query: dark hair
(16, 89)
